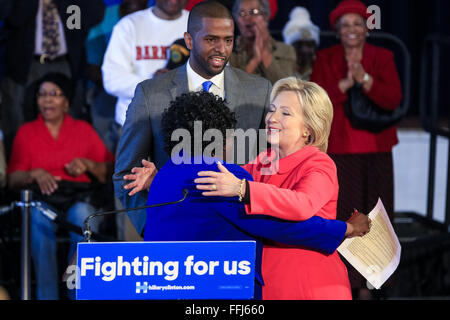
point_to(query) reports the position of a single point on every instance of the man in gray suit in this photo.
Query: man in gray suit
(210, 37)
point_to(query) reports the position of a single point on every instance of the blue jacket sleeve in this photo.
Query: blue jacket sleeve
(315, 233)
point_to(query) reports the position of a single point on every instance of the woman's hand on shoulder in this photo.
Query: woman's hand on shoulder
(141, 177)
(222, 183)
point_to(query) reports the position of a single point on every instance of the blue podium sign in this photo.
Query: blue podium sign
(166, 270)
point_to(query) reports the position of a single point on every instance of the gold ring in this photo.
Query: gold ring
(214, 187)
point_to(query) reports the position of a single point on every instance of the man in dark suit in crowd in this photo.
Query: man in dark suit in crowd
(210, 37)
(42, 36)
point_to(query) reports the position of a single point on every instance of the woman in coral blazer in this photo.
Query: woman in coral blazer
(294, 180)
(363, 158)
(299, 185)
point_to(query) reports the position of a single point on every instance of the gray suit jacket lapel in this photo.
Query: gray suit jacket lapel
(232, 89)
(179, 82)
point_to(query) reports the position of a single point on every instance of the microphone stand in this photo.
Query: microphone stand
(87, 229)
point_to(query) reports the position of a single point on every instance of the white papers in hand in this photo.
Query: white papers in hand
(376, 255)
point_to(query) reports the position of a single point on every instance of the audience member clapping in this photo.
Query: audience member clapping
(256, 51)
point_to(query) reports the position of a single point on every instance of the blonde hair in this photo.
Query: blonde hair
(315, 106)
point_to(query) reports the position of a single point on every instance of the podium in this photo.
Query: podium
(165, 270)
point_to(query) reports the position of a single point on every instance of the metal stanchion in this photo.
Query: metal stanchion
(26, 197)
(25, 255)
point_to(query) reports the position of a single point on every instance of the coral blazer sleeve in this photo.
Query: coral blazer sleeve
(305, 192)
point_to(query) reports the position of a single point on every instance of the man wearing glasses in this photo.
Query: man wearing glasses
(256, 51)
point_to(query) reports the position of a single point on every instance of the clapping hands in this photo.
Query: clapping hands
(262, 53)
(355, 72)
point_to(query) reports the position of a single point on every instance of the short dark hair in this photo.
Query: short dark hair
(206, 9)
(196, 106)
(61, 80)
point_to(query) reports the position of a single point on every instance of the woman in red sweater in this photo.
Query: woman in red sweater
(294, 180)
(363, 158)
(59, 158)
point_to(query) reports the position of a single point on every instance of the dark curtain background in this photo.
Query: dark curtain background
(409, 20)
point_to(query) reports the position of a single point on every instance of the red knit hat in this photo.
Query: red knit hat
(348, 6)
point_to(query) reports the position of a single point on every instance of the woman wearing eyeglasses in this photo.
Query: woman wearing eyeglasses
(256, 51)
(59, 158)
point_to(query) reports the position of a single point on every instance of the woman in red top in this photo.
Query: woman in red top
(363, 159)
(293, 180)
(57, 154)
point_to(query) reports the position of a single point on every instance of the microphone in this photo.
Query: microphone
(87, 230)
